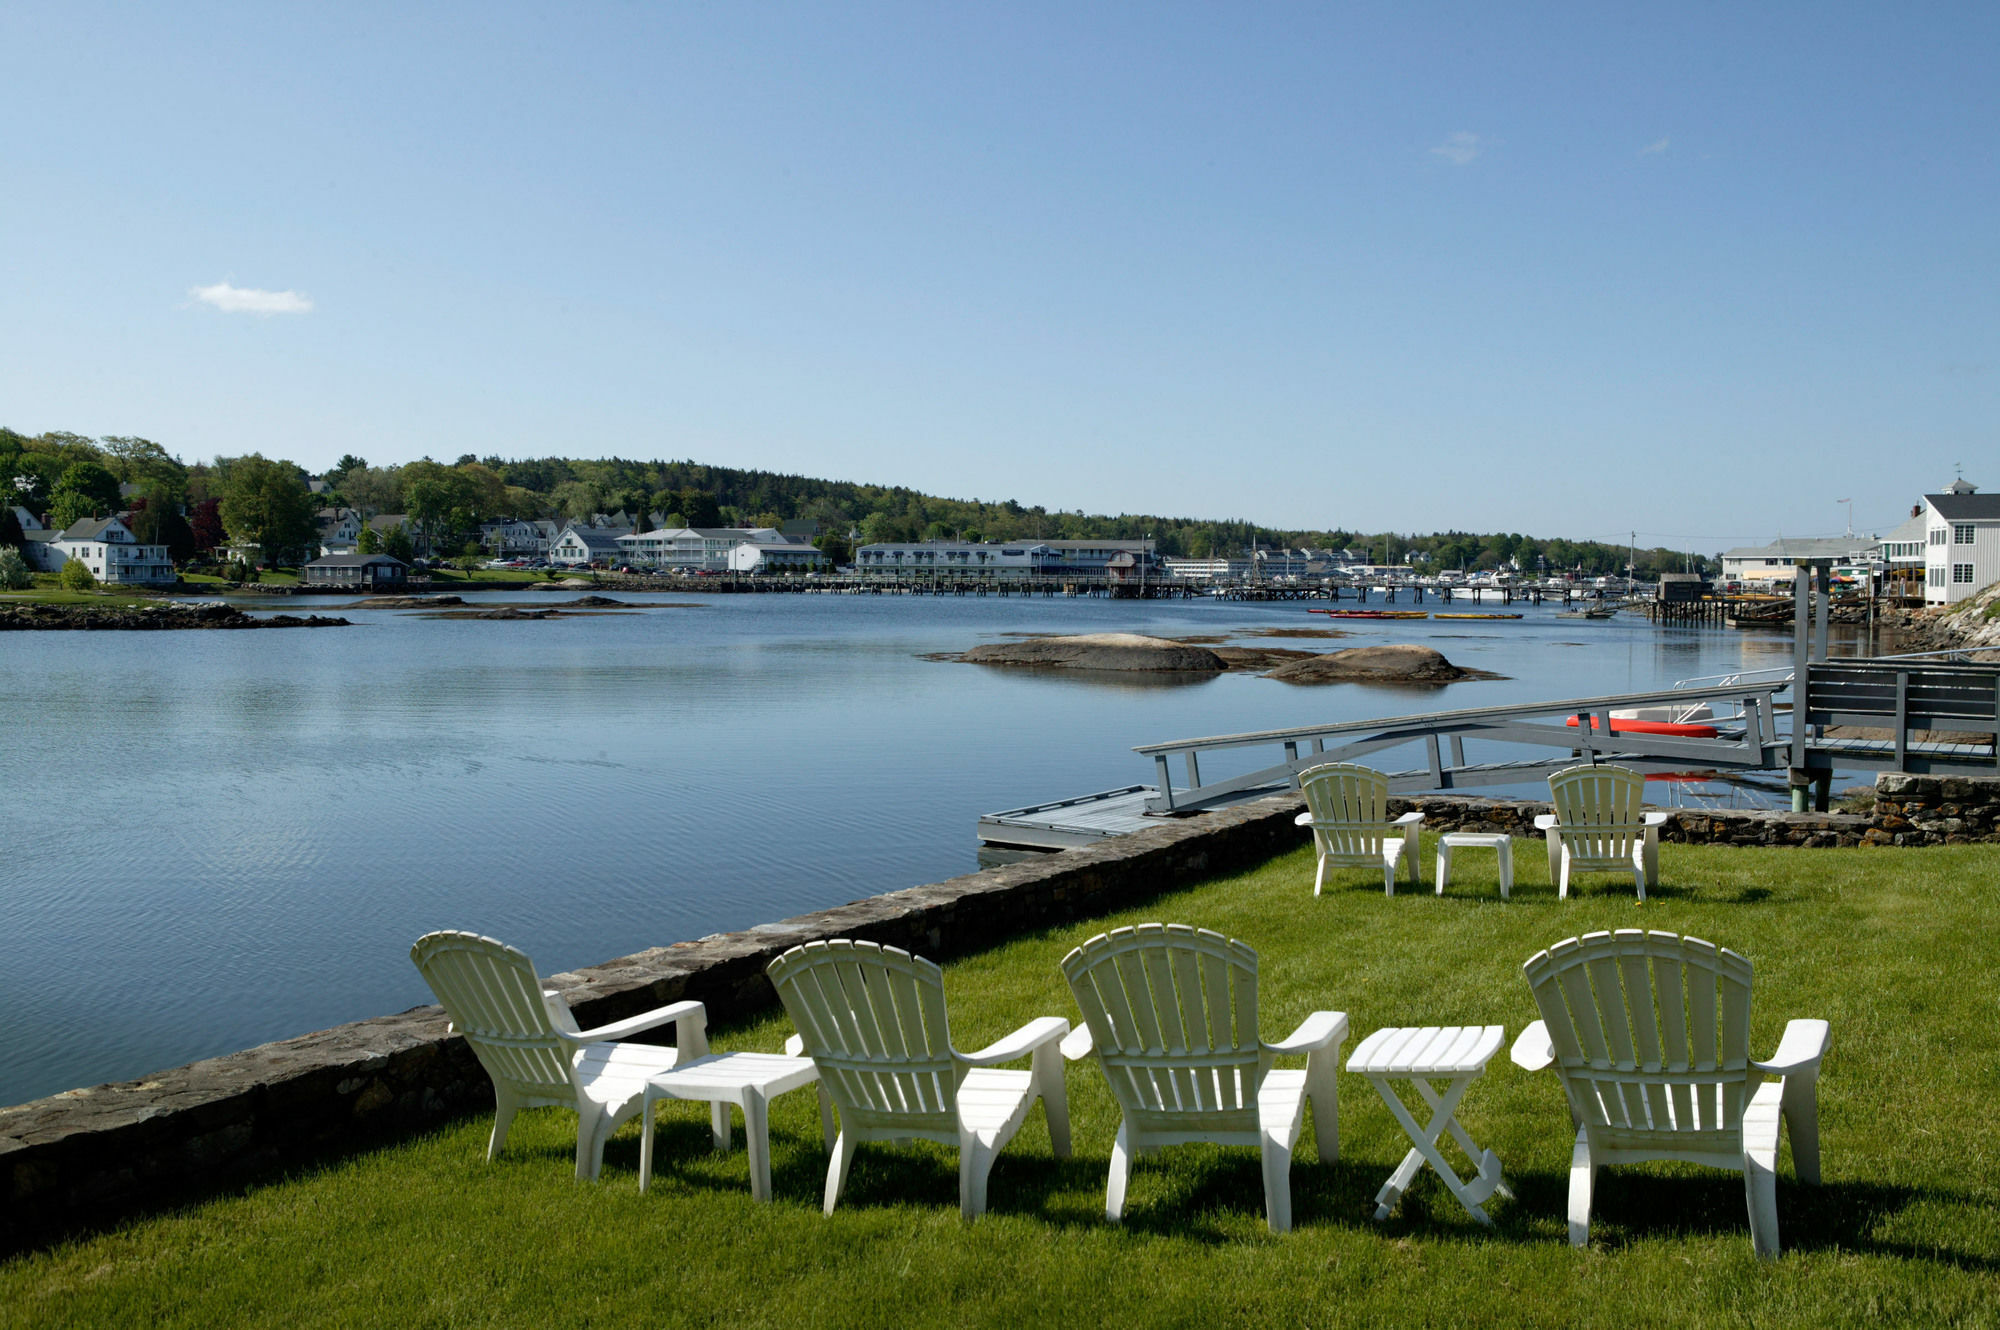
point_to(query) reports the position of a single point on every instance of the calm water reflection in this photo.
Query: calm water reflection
(214, 839)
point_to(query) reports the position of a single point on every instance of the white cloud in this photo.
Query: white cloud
(1656, 147)
(249, 300)
(1460, 148)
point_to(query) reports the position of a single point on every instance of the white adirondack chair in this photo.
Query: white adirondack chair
(1347, 808)
(528, 1041)
(1650, 1034)
(872, 1018)
(1600, 826)
(1171, 1013)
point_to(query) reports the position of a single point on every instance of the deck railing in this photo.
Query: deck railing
(1753, 743)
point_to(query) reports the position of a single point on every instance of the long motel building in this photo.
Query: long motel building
(1012, 559)
(759, 549)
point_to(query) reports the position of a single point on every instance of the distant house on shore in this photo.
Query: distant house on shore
(107, 547)
(509, 537)
(339, 530)
(357, 572)
(1961, 542)
(587, 544)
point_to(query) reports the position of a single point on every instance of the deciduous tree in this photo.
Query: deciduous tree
(85, 490)
(267, 504)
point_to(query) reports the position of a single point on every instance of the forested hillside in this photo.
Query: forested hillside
(63, 476)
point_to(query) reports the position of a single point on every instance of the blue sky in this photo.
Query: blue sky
(1564, 270)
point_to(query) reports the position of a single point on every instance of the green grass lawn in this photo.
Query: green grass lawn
(1894, 947)
(56, 595)
(505, 577)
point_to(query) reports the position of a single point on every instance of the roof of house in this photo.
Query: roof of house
(355, 561)
(1965, 507)
(596, 538)
(389, 521)
(1911, 529)
(88, 528)
(1828, 547)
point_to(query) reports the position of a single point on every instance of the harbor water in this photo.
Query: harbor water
(214, 839)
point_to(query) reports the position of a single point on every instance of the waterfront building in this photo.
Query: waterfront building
(959, 558)
(587, 544)
(107, 547)
(741, 549)
(1093, 558)
(1961, 543)
(784, 556)
(357, 572)
(1901, 553)
(1773, 563)
(1221, 569)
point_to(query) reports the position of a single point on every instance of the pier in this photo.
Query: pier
(1930, 713)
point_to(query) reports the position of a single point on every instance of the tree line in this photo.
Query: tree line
(194, 508)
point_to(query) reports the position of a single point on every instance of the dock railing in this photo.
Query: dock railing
(1753, 742)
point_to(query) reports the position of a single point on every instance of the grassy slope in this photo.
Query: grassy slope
(1893, 947)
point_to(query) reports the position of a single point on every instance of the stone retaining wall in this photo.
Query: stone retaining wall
(1935, 810)
(88, 1157)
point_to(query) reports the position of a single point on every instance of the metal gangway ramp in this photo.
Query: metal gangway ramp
(1915, 714)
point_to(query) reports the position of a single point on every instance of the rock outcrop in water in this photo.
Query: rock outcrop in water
(149, 617)
(1399, 663)
(1100, 651)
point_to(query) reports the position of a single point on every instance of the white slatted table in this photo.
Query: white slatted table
(1420, 1055)
(1499, 842)
(748, 1080)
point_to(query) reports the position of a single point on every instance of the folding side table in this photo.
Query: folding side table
(1456, 1054)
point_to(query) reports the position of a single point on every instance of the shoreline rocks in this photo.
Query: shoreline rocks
(169, 615)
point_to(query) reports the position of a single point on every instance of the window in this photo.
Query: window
(1961, 533)
(1937, 535)
(1961, 574)
(1937, 576)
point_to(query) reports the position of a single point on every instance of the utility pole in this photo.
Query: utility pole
(1850, 516)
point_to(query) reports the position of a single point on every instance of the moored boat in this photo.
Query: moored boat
(1373, 614)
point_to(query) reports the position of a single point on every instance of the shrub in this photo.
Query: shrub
(14, 574)
(75, 577)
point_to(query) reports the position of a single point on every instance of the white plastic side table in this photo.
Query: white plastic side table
(748, 1080)
(1485, 840)
(1453, 1053)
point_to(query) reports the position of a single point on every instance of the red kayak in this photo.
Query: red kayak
(1620, 725)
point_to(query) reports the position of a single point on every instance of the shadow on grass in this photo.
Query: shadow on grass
(1630, 1206)
(1207, 1201)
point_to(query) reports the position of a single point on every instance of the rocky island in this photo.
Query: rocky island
(1401, 663)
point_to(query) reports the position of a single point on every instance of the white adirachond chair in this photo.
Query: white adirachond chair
(1171, 1013)
(1347, 807)
(1650, 1034)
(872, 1019)
(1600, 826)
(528, 1041)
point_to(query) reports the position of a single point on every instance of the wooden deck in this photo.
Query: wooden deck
(1066, 823)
